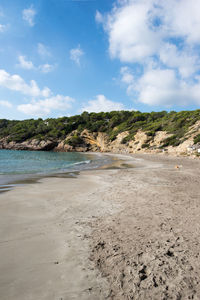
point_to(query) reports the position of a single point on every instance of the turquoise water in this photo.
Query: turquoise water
(38, 162)
(20, 166)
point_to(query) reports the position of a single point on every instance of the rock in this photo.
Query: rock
(34, 144)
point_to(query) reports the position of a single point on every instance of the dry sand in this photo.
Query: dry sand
(107, 234)
(150, 249)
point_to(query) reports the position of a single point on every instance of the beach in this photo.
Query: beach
(130, 233)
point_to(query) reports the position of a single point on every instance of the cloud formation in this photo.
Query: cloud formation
(28, 15)
(25, 64)
(101, 103)
(46, 68)
(162, 39)
(28, 65)
(42, 101)
(76, 54)
(99, 17)
(5, 103)
(43, 51)
(161, 87)
(43, 107)
(17, 83)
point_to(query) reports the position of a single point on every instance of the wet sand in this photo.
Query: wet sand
(107, 234)
(43, 245)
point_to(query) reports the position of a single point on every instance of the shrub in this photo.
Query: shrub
(197, 139)
(75, 141)
(171, 141)
(145, 145)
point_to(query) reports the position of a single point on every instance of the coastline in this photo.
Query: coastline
(106, 161)
(103, 234)
(12, 179)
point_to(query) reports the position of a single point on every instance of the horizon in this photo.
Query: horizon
(60, 58)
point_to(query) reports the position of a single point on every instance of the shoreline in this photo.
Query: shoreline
(103, 234)
(10, 181)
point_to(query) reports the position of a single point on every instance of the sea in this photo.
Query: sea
(19, 166)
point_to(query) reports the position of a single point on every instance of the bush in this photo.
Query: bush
(128, 138)
(197, 139)
(171, 141)
(150, 133)
(145, 145)
(75, 141)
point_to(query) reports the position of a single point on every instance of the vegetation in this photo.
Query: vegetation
(74, 141)
(113, 123)
(197, 139)
(145, 145)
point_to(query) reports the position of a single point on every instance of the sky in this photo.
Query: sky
(62, 57)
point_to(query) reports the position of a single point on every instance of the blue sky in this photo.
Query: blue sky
(61, 57)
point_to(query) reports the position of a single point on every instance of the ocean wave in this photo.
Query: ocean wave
(82, 162)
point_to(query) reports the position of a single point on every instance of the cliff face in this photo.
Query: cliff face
(28, 145)
(99, 141)
(90, 141)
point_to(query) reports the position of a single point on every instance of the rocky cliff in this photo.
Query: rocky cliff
(32, 144)
(99, 141)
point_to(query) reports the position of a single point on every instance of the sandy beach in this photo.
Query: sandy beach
(106, 234)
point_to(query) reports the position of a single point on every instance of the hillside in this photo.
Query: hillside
(117, 131)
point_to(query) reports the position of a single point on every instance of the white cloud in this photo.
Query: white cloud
(130, 37)
(101, 103)
(17, 83)
(2, 27)
(25, 64)
(182, 18)
(163, 39)
(99, 17)
(76, 54)
(185, 62)
(162, 87)
(43, 51)
(127, 76)
(46, 68)
(42, 101)
(28, 15)
(139, 29)
(4, 103)
(28, 65)
(45, 106)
